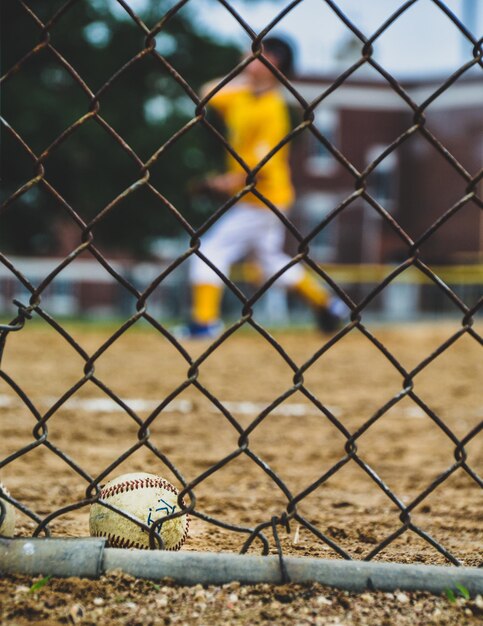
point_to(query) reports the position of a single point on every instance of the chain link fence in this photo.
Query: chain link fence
(141, 166)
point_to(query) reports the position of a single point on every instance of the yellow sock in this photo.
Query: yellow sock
(312, 291)
(206, 303)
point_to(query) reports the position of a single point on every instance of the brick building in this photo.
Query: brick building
(415, 183)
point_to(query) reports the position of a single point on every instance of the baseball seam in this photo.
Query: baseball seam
(137, 483)
(120, 542)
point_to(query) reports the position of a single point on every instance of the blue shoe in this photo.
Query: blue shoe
(198, 331)
(332, 317)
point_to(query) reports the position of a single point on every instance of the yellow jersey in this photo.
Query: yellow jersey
(255, 124)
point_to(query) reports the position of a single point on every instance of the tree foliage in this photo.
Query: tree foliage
(143, 104)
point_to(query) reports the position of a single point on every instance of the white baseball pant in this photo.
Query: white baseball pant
(242, 230)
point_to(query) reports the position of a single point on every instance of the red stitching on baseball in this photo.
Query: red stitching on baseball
(120, 542)
(129, 485)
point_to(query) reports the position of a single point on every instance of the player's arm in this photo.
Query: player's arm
(221, 99)
(225, 183)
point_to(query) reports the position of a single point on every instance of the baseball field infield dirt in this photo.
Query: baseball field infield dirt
(393, 459)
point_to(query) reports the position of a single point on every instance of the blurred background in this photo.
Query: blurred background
(142, 103)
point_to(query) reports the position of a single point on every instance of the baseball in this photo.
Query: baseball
(147, 498)
(7, 527)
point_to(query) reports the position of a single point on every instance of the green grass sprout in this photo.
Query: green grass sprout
(39, 584)
(463, 591)
(450, 595)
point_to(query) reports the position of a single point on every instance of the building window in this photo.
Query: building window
(61, 298)
(320, 161)
(315, 208)
(383, 180)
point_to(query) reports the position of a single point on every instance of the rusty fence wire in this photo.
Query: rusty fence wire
(87, 229)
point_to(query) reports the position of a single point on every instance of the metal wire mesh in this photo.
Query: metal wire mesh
(87, 230)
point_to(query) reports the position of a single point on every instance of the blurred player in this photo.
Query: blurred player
(256, 119)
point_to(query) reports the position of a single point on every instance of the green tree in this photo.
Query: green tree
(143, 104)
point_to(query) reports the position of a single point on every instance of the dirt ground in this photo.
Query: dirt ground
(405, 448)
(119, 599)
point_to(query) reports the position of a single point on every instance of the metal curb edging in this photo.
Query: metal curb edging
(90, 558)
(57, 557)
